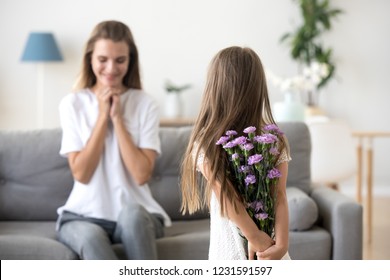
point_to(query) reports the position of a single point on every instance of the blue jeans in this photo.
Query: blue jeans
(92, 238)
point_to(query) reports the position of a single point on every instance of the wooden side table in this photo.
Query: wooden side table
(368, 136)
(175, 122)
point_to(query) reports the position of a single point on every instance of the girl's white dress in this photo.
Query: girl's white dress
(225, 240)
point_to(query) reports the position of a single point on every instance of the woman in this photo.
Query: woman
(110, 137)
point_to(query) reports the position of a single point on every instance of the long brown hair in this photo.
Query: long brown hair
(115, 31)
(235, 97)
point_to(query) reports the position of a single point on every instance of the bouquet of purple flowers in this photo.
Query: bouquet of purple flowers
(252, 160)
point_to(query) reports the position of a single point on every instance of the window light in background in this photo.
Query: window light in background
(41, 47)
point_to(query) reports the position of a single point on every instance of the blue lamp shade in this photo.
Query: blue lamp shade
(41, 47)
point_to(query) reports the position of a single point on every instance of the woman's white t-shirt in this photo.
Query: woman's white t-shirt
(111, 186)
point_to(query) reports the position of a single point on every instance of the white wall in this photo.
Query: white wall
(177, 39)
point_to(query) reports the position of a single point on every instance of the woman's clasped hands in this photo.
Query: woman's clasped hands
(109, 102)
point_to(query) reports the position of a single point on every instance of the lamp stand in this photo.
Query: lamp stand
(40, 94)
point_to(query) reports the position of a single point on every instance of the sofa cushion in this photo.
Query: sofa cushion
(298, 135)
(165, 181)
(184, 240)
(303, 211)
(32, 171)
(313, 244)
(30, 247)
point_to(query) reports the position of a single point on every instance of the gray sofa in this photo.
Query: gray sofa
(35, 180)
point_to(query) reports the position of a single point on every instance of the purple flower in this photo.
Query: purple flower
(245, 169)
(267, 138)
(250, 179)
(231, 132)
(256, 158)
(257, 205)
(247, 146)
(253, 165)
(273, 127)
(274, 173)
(258, 139)
(261, 216)
(229, 145)
(273, 151)
(270, 127)
(222, 140)
(240, 140)
(250, 129)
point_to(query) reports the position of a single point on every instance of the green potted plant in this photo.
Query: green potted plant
(173, 105)
(305, 42)
(172, 88)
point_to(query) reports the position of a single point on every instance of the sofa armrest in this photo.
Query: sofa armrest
(343, 218)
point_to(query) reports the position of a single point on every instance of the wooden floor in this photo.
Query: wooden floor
(379, 248)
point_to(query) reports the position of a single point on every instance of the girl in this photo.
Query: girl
(110, 137)
(235, 97)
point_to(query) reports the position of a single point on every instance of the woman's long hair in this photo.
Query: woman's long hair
(235, 97)
(117, 32)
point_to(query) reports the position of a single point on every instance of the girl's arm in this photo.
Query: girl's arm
(280, 248)
(139, 162)
(257, 239)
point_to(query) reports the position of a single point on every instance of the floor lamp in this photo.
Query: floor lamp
(41, 47)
